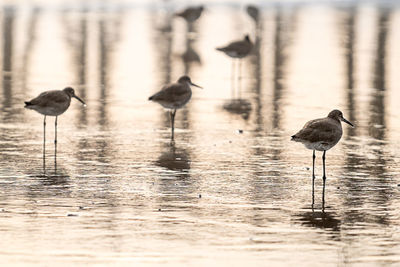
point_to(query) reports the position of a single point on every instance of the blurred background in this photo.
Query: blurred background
(232, 189)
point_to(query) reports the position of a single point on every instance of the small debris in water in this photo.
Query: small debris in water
(240, 131)
(81, 207)
(398, 185)
(338, 187)
(307, 168)
(159, 209)
(199, 195)
(71, 214)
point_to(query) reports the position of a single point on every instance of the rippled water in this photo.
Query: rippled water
(232, 189)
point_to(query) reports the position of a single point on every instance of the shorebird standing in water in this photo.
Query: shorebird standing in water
(52, 103)
(237, 50)
(321, 134)
(174, 96)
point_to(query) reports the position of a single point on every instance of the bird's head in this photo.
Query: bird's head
(71, 92)
(186, 79)
(338, 115)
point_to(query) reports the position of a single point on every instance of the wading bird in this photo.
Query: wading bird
(52, 103)
(174, 96)
(237, 50)
(321, 134)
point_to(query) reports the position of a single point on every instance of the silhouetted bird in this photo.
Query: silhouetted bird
(52, 103)
(190, 14)
(322, 134)
(174, 96)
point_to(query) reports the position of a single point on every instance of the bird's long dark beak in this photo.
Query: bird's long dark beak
(346, 121)
(80, 100)
(196, 85)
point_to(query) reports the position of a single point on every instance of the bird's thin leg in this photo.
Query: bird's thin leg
(172, 123)
(44, 144)
(233, 79)
(239, 77)
(55, 145)
(323, 178)
(313, 178)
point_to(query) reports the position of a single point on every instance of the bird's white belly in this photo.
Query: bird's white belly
(55, 110)
(175, 104)
(320, 146)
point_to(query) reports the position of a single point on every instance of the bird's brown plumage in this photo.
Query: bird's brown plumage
(190, 14)
(238, 49)
(50, 97)
(53, 102)
(322, 134)
(326, 130)
(174, 95)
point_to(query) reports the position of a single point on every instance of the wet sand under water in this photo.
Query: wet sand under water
(232, 189)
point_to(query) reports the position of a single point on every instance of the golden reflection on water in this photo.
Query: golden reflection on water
(232, 187)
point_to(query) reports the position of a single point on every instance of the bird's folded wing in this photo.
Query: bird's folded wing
(317, 131)
(49, 97)
(234, 46)
(170, 92)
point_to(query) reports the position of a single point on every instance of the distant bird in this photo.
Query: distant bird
(174, 96)
(52, 103)
(253, 12)
(237, 49)
(322, 134)
(190, 14)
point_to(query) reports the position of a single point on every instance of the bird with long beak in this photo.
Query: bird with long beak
(174, 96)
(322, 134)
(52, 103)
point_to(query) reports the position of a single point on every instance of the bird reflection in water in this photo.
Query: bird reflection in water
(319, 219)
(174, 159)
(174, 184)
(190, 55)
(59, 179)
(238, 106)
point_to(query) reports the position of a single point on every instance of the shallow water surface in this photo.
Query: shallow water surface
(232, 189)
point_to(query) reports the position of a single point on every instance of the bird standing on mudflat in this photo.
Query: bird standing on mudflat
(174, 96)
(52, 103)
(322, 134)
